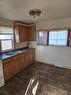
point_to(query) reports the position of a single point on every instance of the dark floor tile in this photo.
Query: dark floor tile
(39, 79)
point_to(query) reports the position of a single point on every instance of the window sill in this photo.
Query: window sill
(42, 45)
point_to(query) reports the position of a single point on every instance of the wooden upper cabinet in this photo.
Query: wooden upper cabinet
(24, 32)
(31, 30)
(20, 33)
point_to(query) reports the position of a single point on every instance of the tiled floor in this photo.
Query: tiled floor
(39, 79)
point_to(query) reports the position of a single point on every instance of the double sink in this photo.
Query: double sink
(15, 52)
(9, 54)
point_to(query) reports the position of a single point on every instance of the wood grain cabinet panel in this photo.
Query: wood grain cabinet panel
(27, 62)
(24, 32)
(21, 61)
(17, 63)
(20, 33)
(31, 31)
(32, 56)
(7, 69)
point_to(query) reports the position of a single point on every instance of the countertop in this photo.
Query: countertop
(9, 54)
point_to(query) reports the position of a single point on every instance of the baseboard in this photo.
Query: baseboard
(45, 63)
(68, 68)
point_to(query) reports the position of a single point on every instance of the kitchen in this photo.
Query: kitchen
(30, 61)
(15, 60)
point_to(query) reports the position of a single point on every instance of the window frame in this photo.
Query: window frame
(6, 40)
(12, 40)
(38, 38)
(68, 37)
(58, 30)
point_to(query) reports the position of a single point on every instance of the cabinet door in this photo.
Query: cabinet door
(12, 68)
(7, 69)
(21, 61)
(21, 38)
(16, 32)
(27, 59)
(15, 65)
(31, 58)
(20, 33)
(33, 33)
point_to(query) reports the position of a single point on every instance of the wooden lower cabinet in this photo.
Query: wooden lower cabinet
(7, 69)
(27, 62)
(32, 56)
(21, 61)
(15, 64)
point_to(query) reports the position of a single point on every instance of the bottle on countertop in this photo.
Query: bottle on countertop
(28, 45)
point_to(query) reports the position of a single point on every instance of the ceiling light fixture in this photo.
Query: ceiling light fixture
(35, 13)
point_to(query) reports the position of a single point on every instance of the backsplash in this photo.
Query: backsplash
(32, 44)
(21, 45)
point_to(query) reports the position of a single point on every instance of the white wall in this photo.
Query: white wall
(60, 56)
(53, 24)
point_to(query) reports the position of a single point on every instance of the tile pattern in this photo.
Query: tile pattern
(39, 79)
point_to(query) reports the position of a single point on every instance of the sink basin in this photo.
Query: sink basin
(10, 53)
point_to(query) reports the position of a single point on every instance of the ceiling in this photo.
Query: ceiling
(19, 9)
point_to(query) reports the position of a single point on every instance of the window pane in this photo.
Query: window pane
(42, 40)
(40, 34)
(62, 42)
(53, 35)
(6, 37)
(58, 37)
(62, 35)
(52, 42)
(6, 44)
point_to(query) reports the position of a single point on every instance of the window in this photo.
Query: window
(40, 34)
(6, 38)
(42, 37)
(6, 45)
(58, 37)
